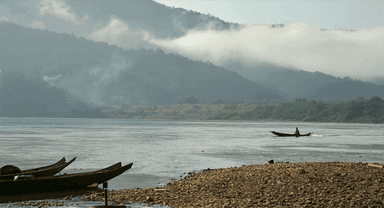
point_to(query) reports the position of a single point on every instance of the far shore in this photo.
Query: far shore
(300, 110)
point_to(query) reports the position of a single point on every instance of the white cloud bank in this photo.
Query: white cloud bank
(60, 10)
(341, 53)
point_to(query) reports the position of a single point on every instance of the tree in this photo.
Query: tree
(354, 109)
(375, 108)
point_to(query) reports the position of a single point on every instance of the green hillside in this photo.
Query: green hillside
(99, 74)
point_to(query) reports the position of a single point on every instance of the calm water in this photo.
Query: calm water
(161, 150)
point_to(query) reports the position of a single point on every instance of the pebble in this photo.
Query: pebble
(321, 184)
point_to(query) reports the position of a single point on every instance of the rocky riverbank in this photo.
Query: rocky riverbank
(320, 184)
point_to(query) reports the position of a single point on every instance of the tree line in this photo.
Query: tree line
(360, 110)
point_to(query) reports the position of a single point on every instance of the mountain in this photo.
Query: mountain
(148, 15)
(22, 96)
(95, 73)
(377, 81)
(25, 46)
(181, 77)
(99, 74)
(130, 17)
(347, 89)
(291, 83)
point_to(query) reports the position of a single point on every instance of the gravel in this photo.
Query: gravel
(320, 184)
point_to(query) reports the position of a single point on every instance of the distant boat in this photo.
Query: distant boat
(286, 135)
(61, 182)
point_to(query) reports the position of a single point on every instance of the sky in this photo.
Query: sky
(326, 14)
(352, 45)
(301, 44)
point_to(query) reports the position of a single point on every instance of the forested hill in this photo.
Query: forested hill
(21, 96)
(347, 89)
(148, 15)
(290, 83)
(22, 47)
(100, 74)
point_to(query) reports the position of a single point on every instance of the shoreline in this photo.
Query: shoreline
(299, 110)
(318, 184)
(315, 184)
(202, 120)
(242, 120)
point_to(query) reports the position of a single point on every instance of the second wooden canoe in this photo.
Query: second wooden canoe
(42, 171)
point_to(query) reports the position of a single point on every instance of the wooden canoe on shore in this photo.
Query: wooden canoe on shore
(285, 135)
(49, 170)
(62, 182)
(60, 162)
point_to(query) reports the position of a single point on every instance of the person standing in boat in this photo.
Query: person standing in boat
(297, 132)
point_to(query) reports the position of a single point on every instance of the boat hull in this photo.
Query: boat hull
(42, 171)
(62, 182)
(290, 135)
(60, 162)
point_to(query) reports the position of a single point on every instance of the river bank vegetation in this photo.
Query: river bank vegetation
(359, 110)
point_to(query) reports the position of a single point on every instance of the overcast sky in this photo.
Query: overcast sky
(326, 14)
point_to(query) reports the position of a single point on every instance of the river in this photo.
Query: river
(161, 150)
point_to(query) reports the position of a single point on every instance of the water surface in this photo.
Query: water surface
(161, 150)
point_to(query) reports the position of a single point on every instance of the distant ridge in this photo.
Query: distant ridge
(99, 74)
(151, 16)
(290, 83)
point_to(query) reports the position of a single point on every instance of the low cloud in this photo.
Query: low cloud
(298, 45)
(37, 24)
(59, 9)
(90, 83)
(5, 18)
(51, 79)
(118, 63)
(117, 32)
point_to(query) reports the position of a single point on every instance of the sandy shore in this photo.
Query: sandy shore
(321, 184)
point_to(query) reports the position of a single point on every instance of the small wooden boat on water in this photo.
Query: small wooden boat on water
(49, 170)
(285, 135)
(61, 182)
